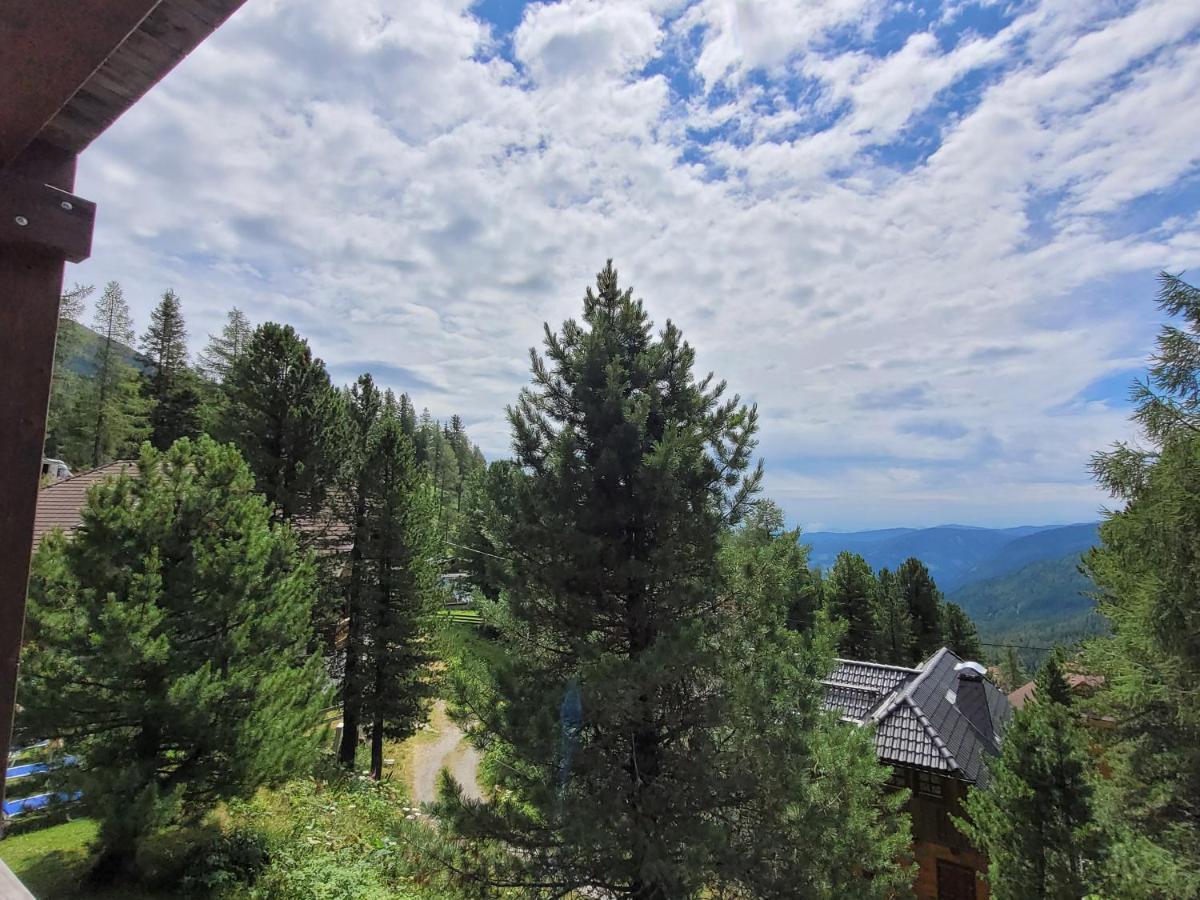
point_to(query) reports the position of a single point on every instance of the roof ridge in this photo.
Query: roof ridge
(92, 471)
(932, 733)
(904, 692)
(874, 665)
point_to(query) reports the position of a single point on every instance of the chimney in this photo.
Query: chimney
(971, 698)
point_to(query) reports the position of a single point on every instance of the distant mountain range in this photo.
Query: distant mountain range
(84, 361)
(1020, 585)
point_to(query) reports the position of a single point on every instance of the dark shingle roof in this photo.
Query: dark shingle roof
(60, 505)
(923, 717)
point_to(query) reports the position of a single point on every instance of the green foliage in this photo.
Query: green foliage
(1036, 820)
(924, 602)
(849, 592)
(105, 416)
(284, 416)
(489, 494)
(400, 590)
(635, 713)
(763, 556)
(165, 644)
(65, 381)
(1147, 570)
(170, 386)
(224, 350)
(959, 633)
(893, 622)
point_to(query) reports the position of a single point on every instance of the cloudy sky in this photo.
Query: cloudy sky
(921, 237)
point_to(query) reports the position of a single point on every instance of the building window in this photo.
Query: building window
(929, 785)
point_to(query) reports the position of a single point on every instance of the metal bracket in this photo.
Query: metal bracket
(40, 216)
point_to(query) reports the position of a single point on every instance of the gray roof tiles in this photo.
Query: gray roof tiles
(921, 717)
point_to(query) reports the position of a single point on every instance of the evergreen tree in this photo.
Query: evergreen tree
(1012, 671)
(960, 635)
(1147, 570)
(634, 712)
(284, 416)
(170, 387)
(1036, 819)
(400, 590)
(66, 382)
(849, 591)
(489, 495)
(225, 349)
(109, 418)
(166, 646)
(924, 606)
(764, 555)
(364, 405)
(893, 622)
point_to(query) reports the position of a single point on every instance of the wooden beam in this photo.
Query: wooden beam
(38, 215)
(48, 50)
(30, 289)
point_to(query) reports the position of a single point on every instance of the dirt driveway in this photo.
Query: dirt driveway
(443, 748)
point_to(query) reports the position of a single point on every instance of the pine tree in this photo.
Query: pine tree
(633, 710)
(400, 590)
(960, 634)
(1147, 570)
(893, 622)
(170, 387)
(284, 416)
(924, 606)
(225, 349)
(108, 419)
(166, 646)
(364, 405)
(1036, 819)
(850, 590)
(489, 494)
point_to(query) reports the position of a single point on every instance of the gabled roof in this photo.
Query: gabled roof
(923, 717)
(60, 505)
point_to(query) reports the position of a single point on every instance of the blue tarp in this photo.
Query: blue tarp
(40, 801)
(16, 772)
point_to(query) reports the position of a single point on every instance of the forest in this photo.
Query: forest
(643, 682)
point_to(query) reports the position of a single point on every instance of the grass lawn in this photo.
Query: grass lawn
(52, 863)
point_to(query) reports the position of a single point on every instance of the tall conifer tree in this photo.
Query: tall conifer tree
(285, 417)
(849, 592)
(893, 622)
(924, 606)
(400, 590)
(170, 385)
(66, 383)
(634, 710)
(959, 632)
(225, 349)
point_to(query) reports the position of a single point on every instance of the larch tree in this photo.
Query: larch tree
(285, 417)
(225, 349)
(109, 418)
(166, 646)
(924, 606)
(400, 591)
(849, 592)
(1036, 820)
(169, 385)
(66, 382)
(632, 709)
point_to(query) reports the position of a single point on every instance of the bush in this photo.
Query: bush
(234, 858)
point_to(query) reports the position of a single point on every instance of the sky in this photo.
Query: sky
(922, 237)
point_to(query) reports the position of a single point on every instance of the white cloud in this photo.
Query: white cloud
(381, 176)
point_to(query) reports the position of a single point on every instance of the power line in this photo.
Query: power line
(1019, 646)
(473, 550)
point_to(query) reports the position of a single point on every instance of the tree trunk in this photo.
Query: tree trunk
(377, 747)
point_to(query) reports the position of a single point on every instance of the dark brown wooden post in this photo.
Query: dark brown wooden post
(42, 225)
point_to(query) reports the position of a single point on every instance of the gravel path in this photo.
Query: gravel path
(449, 750)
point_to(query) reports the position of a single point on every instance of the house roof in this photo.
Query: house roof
(1078, 682)
(922, 717)
(60, 505)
